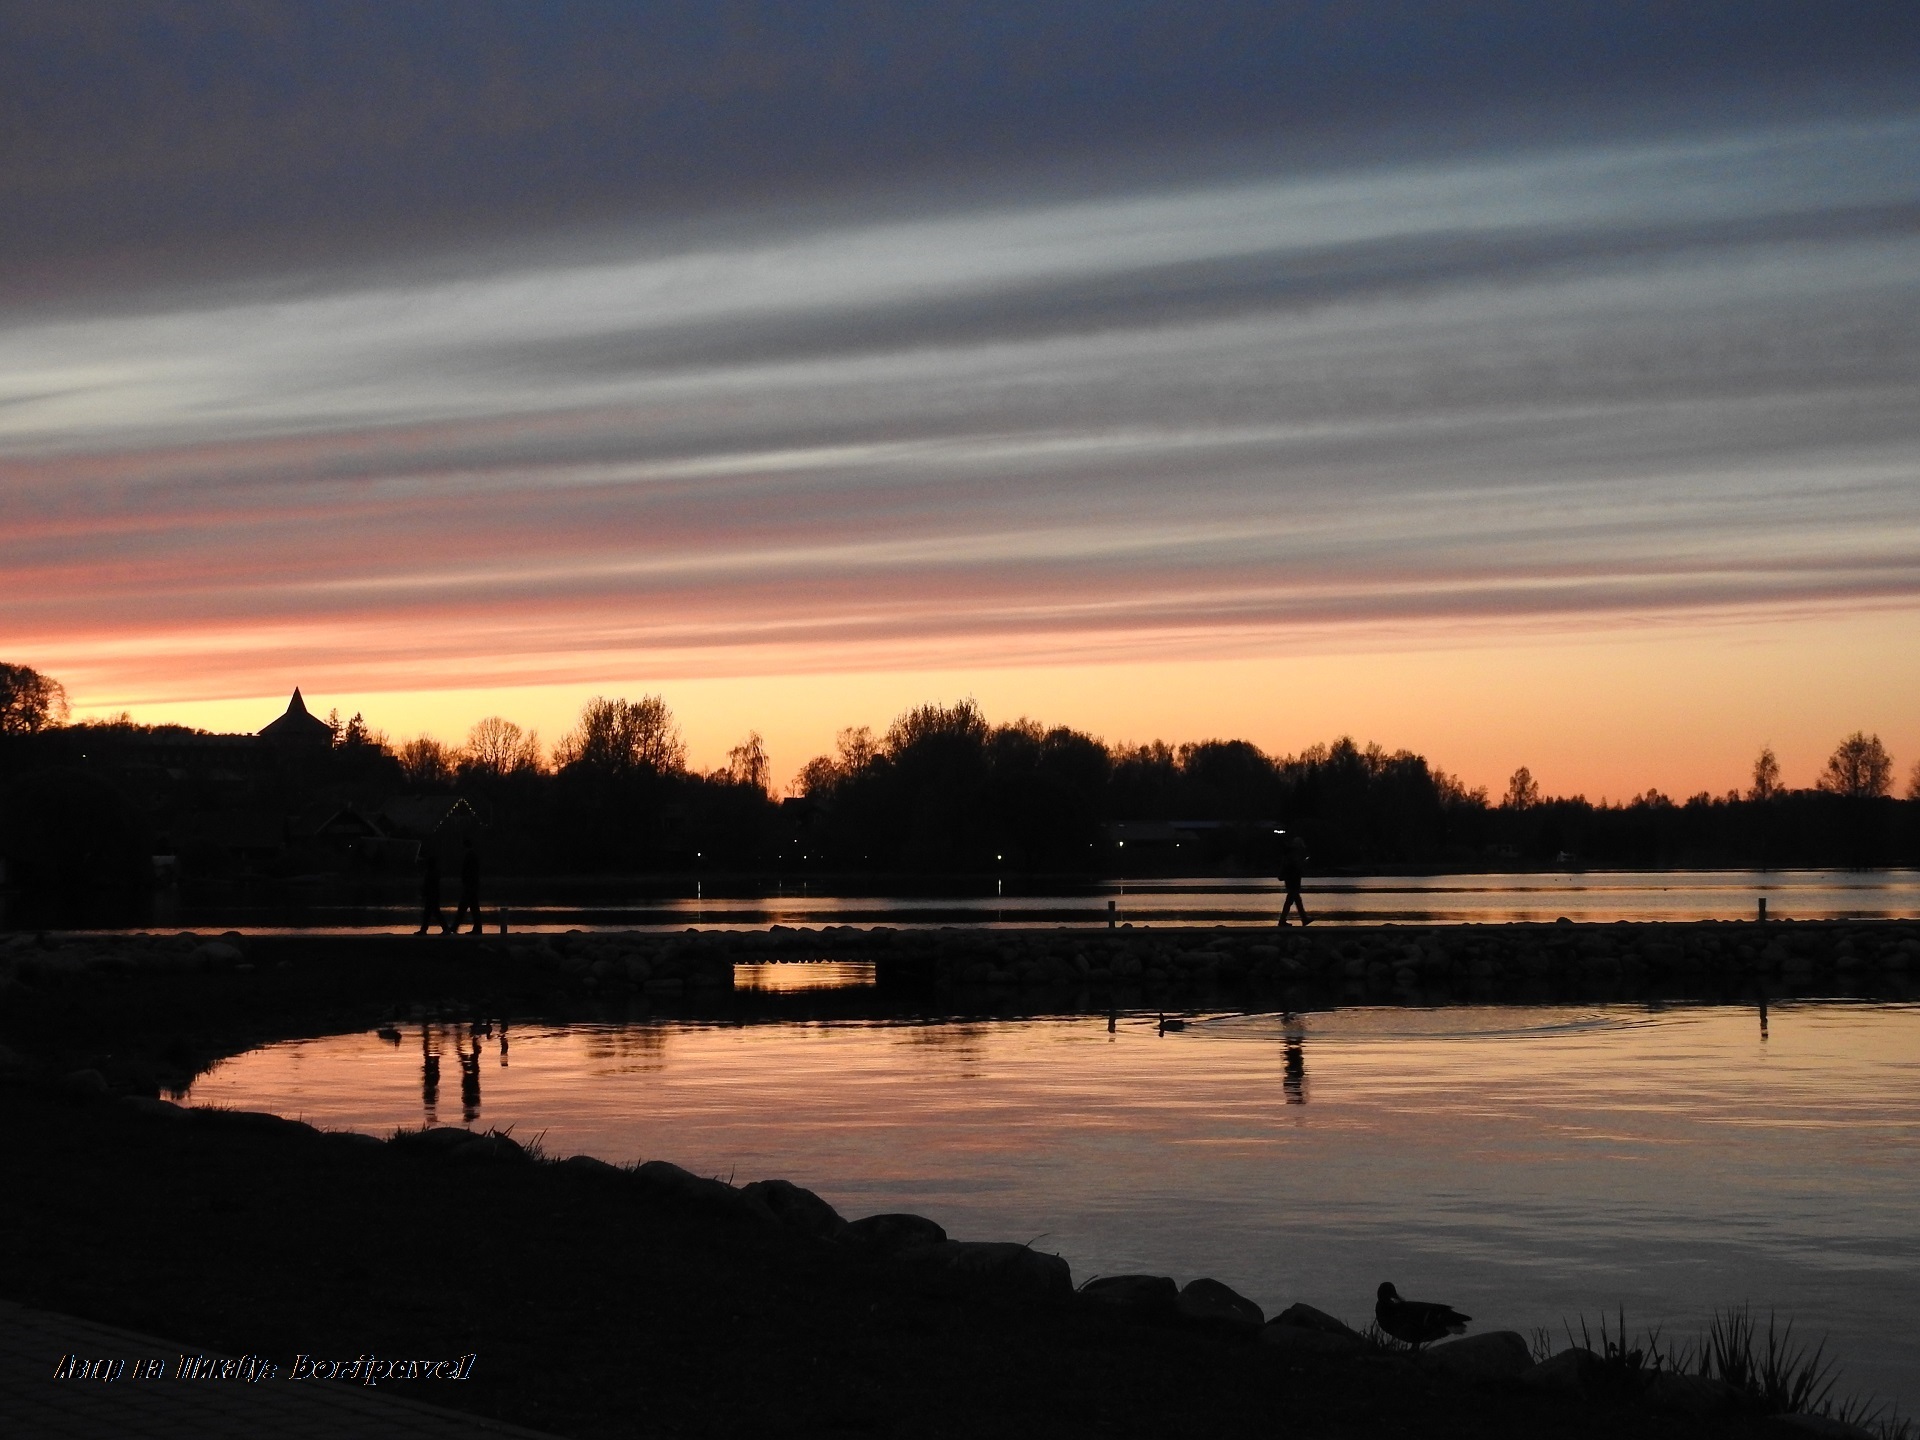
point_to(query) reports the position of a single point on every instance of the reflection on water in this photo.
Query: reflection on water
(1373, 899)
(1530, 1164)
(789, 977)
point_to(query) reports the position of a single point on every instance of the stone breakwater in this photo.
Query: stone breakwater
(1417, 964)
(1384, 963)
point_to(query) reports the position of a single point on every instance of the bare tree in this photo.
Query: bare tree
(425, 761)
(620, 737)
(1859, 768)
(497, 747)
(29, 701)
(1523, 791)
(857, 747)
(747, 762)
(1766, 775)
(1913, 782)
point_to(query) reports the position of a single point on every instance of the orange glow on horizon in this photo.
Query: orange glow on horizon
(1681, 707)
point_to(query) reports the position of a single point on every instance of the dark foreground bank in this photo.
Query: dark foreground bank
(604, 1301)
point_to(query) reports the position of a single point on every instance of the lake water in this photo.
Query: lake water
(559, 904)
(1529, 1166)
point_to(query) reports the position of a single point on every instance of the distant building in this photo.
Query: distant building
(298, 728)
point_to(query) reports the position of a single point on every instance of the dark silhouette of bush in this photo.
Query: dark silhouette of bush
(73, 844)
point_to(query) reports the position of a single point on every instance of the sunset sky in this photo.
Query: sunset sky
(1513, 383)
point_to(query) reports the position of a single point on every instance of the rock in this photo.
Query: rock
(1135, 1292)
(892, 1233)
(1822, 1425)
(216, 952)
(443, 1138)
(1497, 1355)
(84, 1082)
(353, 1139)
(997, 1264)
(670, 1182)
(250, 1120)
(163, 1109)
(487, 1149)
(590, 1165)
(11, 1059)
(797, 1208)
(1214, 1303)
(1693, 1396)
(1568, 1373)
(1306, 1343)
(1305, 1317)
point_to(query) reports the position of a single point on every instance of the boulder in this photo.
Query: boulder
(353, 1139)
(161, 1109)
(1693, 1397)
(590, 1165)
(1820, 1425)
(1135, 1292)
(1570, 1372)
(440, 1138)
(1213, 1303)
(668, 1181)
(892, 1233)
(216, 953)
(797, 1208)
(1305, 1343)
(1497, 1355)
(1000, 1265)
(84, 1082)
(488, 1149)
(1305, 1317)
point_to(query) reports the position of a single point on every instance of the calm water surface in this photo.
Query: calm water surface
(391, 905)
(1527, 1165)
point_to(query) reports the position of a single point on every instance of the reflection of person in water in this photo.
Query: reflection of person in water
(429, 1074)
(1295, 1081)
(503, 1044)
(470, 1080)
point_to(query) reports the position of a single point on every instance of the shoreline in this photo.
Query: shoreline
(594, 1294)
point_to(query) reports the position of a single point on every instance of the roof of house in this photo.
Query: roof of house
(297, 726)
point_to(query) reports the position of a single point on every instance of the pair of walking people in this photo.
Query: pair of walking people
(469, 892)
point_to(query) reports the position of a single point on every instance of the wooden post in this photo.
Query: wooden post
(1110, 914)
(1763, 909)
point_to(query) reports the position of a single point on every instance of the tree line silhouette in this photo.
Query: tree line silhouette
(942, 791)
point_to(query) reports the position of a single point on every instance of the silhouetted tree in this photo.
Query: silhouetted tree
(427, 763)
(1766, 776)
(1859, 768)
(497, 748)
(1523, 791)
(1913, 782)
(747, 763)
(29, 701)
(619, 737)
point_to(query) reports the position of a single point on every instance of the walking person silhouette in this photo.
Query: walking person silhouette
(430, 893)
(1293, 861)
(469, 890)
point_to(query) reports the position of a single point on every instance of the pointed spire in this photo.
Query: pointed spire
(296, 706)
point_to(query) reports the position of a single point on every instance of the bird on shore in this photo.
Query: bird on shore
(1416, 1321)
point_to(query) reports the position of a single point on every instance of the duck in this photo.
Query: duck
(1415, 1321)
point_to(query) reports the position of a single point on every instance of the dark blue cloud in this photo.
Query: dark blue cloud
(261, 132)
